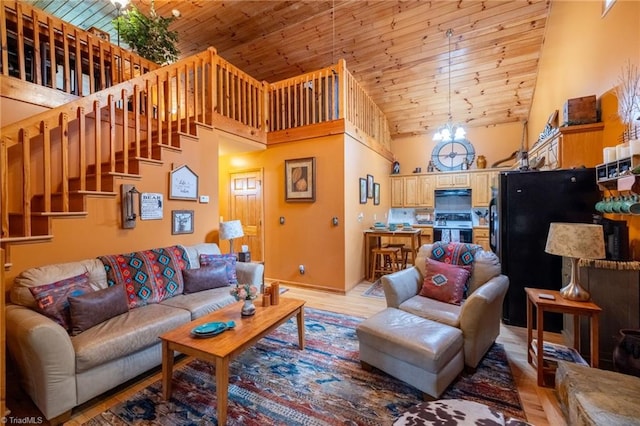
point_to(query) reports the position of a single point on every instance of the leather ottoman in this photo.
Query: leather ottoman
(423, 353)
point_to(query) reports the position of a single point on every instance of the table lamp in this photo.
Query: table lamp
(230, 230)
(576, 241)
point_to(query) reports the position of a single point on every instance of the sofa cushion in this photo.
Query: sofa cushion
(21, 295)
(229, 260)
(125, 334)
(52, 299)
(203, 302)
(205, 278)
(444, 282)
(95, 307)
(454, 253)
(444, 313)
(148, 276)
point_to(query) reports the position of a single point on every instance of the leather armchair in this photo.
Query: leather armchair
(479, 315)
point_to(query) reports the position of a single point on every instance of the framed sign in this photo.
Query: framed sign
(150, 206)
(181, 222)
(300, 180)
(363, 191)
(183, 184)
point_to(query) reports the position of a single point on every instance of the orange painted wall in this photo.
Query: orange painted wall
(494, 142)
(584, 54)
(99, 232)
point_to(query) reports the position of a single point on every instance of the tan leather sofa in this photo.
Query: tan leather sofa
(478, 317)
(60, 371)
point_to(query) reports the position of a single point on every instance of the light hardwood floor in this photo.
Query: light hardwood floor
(540, 404)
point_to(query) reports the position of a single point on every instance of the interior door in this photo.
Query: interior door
(246, 204)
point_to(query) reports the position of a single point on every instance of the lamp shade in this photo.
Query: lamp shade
(230, 230)
(576, 240)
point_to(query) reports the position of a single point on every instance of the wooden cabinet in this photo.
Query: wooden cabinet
(481, 188)
(452, 180)
(481, 237)
(570, 146)
(412, 191)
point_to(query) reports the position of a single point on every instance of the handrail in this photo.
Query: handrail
(101, 63)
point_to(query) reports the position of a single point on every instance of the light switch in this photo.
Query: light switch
(204, 199)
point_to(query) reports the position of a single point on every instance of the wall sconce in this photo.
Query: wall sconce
(128, 195)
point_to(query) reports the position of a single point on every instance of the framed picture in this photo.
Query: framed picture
(183, 184)
(300, 180)
(181, 222)
(376, 194)
(150, 206)
(369, 186)
(363, 191)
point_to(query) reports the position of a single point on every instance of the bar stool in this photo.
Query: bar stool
(384, 260)
(402, 259)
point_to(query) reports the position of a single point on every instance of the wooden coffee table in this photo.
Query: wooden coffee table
(221, 349)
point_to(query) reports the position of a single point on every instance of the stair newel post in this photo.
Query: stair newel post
(25, 141)
(136, 119)
(82, 148)
(125, 132)
(97, 135)
(46, 163)
(64, 154)
(112, 133)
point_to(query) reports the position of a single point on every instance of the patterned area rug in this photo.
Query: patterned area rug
(375, 290)
(274, 383)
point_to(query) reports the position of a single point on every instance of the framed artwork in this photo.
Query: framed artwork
(183, 184)
(363, 191)
(181, 222)
(151, 206)
(369, 186)
(300, 180)
(376, 194)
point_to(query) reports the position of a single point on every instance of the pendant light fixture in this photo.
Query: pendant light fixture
(449, 131)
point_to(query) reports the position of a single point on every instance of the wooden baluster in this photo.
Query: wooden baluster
(5, 52)
(178, 100)
(198, 69)
(46, 163)
(136, 119)
(78, 79)
(4, 185)
(25, 141)
(82, 148)
(125, 131)
(92, 87)
(65, 49)
(64, 154)
(98, 143)
(52, 53)
(112, 132)
(167, 108)
(159, 112)
(187, 98)
(116, 66)
(20, 40)
(149, 111)
(37, 60)
(213, 83)
(103, 77)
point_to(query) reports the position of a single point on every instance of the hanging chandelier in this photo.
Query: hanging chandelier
(450, 131)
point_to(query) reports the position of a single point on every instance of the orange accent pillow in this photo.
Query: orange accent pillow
(444, 282)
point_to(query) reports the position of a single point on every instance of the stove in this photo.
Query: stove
(452, 220)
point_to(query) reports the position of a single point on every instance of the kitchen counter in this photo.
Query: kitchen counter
(373, 238)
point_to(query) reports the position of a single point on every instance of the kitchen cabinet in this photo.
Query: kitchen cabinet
(481, 188)
(481, 237)
(412, 191)
(452, 180)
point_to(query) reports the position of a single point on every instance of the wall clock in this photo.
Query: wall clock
(451, 155)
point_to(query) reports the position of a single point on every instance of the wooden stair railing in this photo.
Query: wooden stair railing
(80, 147)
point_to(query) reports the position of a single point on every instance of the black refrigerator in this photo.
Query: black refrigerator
(525, 204)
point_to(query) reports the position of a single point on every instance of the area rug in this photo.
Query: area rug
(275, 383)
(375, 290)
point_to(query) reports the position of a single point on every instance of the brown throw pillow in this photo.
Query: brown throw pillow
(444, 282)
(205, 278)
(95, 307)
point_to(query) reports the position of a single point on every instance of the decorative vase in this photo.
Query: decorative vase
(248, 308)
(481, 162)
(626, 355)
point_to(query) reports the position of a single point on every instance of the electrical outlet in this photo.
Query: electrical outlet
(204, 199)
(301, 269)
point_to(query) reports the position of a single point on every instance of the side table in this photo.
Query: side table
(563, 306)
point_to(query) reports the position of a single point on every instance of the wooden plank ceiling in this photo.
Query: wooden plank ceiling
(398, 50)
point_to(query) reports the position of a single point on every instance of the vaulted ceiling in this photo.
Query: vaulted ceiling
(398, 50)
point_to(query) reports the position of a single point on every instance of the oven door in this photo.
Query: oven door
(462, 235)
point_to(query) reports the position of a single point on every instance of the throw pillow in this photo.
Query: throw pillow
(444, 282)
(454, 253)
(92, 308)
(52, 299)
(229, 260)
(205, 278)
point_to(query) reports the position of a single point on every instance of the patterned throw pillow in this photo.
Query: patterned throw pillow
(444, 282)
(229, 260)
(461, 254)
(52, 299)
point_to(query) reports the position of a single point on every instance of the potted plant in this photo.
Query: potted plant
(149, 36)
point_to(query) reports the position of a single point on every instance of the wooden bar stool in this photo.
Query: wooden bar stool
(384, 260)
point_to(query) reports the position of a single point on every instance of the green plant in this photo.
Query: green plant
(149, 36)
